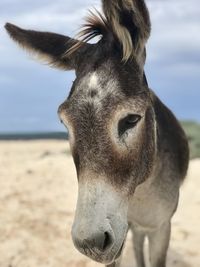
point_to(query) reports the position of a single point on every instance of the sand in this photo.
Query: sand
(38, 191)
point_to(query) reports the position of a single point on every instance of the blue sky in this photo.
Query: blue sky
(30, 92)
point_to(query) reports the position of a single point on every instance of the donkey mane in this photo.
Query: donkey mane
(120, 21)
(95, 25)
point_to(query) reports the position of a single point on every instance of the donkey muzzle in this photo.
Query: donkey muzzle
(93, 242)
(100, 224)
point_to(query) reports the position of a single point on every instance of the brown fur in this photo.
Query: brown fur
(130, 152)
(45, 46)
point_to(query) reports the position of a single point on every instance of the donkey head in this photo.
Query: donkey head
(109, 116)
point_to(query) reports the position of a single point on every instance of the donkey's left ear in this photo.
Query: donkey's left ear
(130, 23)
(49, 47)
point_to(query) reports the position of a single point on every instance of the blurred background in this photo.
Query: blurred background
(30, 94)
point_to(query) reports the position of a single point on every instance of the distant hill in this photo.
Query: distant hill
(34, 136)
(192, 130)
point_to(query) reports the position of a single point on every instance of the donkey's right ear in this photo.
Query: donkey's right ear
(49, 47)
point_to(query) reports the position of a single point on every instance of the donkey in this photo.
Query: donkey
(130, 152)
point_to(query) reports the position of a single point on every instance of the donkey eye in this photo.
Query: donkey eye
(127, 123)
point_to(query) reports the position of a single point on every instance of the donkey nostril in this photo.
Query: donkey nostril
(101, 241)
(107, 241)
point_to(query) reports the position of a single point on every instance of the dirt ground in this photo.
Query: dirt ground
(38, 191)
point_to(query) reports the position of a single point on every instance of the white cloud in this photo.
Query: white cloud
(59, 15)
(175, 27)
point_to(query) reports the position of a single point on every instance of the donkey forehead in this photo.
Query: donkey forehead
(107, 78)
(104, 86)
(97, 85)
(102, 91)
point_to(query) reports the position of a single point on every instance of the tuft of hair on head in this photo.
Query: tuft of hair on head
(128, 22)
(95, 25)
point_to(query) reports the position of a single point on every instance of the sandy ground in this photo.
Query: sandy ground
(38, 190)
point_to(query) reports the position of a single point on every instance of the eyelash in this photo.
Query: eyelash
(129, 122)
